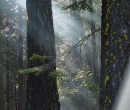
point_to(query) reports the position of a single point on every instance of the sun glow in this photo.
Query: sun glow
(123, 100)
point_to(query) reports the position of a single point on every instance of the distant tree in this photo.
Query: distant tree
(7, 66)
(41, 92)
(94, 54)
(9, 21)
(21, 55)
(115, 49)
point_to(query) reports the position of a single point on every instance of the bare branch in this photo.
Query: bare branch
(51, 64)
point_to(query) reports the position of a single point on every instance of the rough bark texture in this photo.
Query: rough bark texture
(115, 48)
(41, 88)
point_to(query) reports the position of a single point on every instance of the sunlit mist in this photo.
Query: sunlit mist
(123, 98)
(69, 28)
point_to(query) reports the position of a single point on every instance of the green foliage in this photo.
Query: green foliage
(86, 82)
(36, 57)
(34, 70)
(88, 72)
(92, 87)
(56, 74)
(80, 5)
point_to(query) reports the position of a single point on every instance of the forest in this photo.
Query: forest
(64, 54)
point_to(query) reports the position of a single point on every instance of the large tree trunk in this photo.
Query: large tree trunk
(41, 89)
(115, 49)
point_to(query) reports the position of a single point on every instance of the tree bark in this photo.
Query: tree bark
(41, 89)
(115, 48)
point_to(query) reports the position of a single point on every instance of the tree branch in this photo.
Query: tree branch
(51, 64)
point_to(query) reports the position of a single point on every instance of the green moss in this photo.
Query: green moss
(36, 57)
(125, 36)
(106, 30)
(120, 47)
(34, 70)
(112, 38)
(106, 80)
(112, 54)
(114, 33)
(109, 9)
(119, 40)
(114, 57)
(106, 61)
(107, 42)
(107, 100)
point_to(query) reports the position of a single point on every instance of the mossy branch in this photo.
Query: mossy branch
(36, 57)
(52, 59)
(35, 70)
(40, 69)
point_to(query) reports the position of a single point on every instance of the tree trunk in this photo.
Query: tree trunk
(115, 49)
(7, 75)
(1, 78)
(94, 59)
(1, 92)
(41, 89)
(20, 76)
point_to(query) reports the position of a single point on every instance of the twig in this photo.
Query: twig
(51, 63)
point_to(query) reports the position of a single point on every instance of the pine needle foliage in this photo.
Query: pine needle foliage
(80, 6)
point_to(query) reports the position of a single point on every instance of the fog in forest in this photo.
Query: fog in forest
(68, 31)
(77, 88)
(77, 55)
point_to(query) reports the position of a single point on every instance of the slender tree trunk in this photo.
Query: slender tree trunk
(15, 95)
(1, 80)
(1, 93)
(7, 75)
(95, 62)
(20, 76)
(41, 89)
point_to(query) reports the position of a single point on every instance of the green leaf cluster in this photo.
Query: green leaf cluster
(56, 74)
(92, 86)
(80, 5)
